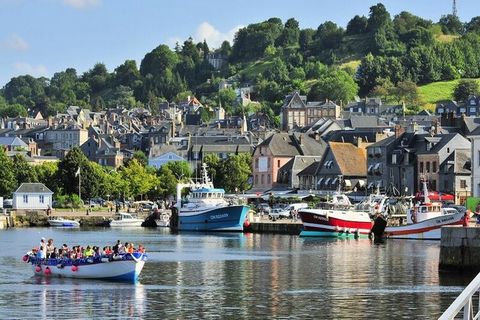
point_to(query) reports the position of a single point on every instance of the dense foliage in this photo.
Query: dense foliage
(276, 58)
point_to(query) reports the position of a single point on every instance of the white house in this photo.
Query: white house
(162, 159)
(32, 196)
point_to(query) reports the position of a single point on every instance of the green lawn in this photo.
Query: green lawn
(437, 91)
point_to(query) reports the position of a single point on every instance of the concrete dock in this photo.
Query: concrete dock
(460, 249)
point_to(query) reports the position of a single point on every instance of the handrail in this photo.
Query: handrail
(464, 301)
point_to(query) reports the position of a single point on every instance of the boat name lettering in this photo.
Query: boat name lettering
(441, 220)
(317, 217)
(219, 216)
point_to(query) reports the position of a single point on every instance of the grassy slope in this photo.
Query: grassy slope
(437, 91)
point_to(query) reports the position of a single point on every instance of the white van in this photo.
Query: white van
(296, 206)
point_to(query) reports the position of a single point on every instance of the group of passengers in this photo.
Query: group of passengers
(47, 250)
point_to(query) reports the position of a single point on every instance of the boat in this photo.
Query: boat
(342, 219)
(123, 219)
(61, 222)
(122, 267)
(163, 220)
(425, 220)
(206, 208)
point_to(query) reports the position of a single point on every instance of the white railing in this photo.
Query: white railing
(464, 301)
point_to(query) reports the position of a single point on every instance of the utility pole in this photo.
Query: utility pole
(454, 8)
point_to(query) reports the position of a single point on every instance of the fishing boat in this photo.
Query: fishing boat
(206, 208)
(425, 220)
(342, 219)
(61, 222)
(123, 219)
(122, 267)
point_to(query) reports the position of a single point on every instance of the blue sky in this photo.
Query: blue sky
(41, 37)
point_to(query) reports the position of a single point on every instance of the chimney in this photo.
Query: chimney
(399, 130)
(359, 142)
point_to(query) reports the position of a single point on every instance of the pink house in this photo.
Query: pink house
(276, 151)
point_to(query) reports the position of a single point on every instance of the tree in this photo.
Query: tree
(13, 110)
(127, 74)
(140, 156)
(378, 17)
(357, 25)
(337, 85)
(138, 180)
(22, 170)
(328, 36)
(67, 169)
(46, 173)
(406, 91)
(7, 175)
(473, 25)
(158, 61)
(451, 24)
(181, 169)
(290, 34)
(464, 89)
(167, 182)
(235, 172)
(227, 97)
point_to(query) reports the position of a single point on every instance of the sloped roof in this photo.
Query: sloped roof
(289, 145)
(33, 188)
(12, 141)
(462, 161)
(351, 160)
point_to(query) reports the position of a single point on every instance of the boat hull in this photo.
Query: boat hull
(229, 218)
(123, 223)
(72, 224)
(162, 223)
(334, 223)
(122, 270)
(429, 229)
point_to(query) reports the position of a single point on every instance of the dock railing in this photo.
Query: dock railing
(465, 301)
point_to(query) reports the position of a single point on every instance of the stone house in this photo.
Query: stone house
(455, 175)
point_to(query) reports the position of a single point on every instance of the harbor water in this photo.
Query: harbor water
(251, 276)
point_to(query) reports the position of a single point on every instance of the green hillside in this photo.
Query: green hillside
(437, 91)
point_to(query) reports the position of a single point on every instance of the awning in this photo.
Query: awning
(348, 183)
(377, 165)
(370, 168)
(370, 185)
(327, 181)
(334, 180)
(319, 181)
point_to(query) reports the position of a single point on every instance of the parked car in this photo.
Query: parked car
(278, 213)
(296, 206)
(7, 203)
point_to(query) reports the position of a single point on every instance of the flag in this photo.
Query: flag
(78, 172)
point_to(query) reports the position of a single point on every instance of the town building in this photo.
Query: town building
(32, 196)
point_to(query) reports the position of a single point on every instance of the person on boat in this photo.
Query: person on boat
(50, 247)
(88, 252)
(54, 254)
(122, 248)
(116, 247)
(141, 248)
(43, 249)
(130, 248)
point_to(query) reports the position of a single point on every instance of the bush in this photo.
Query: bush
(68, 201)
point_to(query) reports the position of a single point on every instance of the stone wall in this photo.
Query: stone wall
(460, 249)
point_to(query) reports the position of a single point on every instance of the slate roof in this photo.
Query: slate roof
(12, 141)
(311, 169)
(422, 139)
(383, 142)
(351, 160)
(33, 188)
(462, 161)
(288, 145)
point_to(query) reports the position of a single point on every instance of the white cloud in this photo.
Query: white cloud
(26, 68)
(214, 37)
(14, 42)
(82, 4)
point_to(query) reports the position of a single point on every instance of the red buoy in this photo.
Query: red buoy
(38, 269)
(74, 268)
(246, 224)
(47, 271)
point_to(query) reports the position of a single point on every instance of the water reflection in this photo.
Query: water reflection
(236, 276)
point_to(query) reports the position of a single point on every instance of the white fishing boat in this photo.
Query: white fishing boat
(61, 222)
(425, 220)
(123, 219)
(123, 267)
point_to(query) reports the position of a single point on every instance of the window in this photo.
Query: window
(42, 200)
(262, 180)
(434, 166)
(278, 163)
(394, 158)
(427, 167)
(256, 163)
(463, 184)
(445, 185)
(268, 163)
(268, 178)
(256, 179)
(25, 198)
(421, 167)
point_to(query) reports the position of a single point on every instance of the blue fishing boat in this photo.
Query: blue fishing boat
(206, 208)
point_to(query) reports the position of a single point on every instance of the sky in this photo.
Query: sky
(41, 37)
